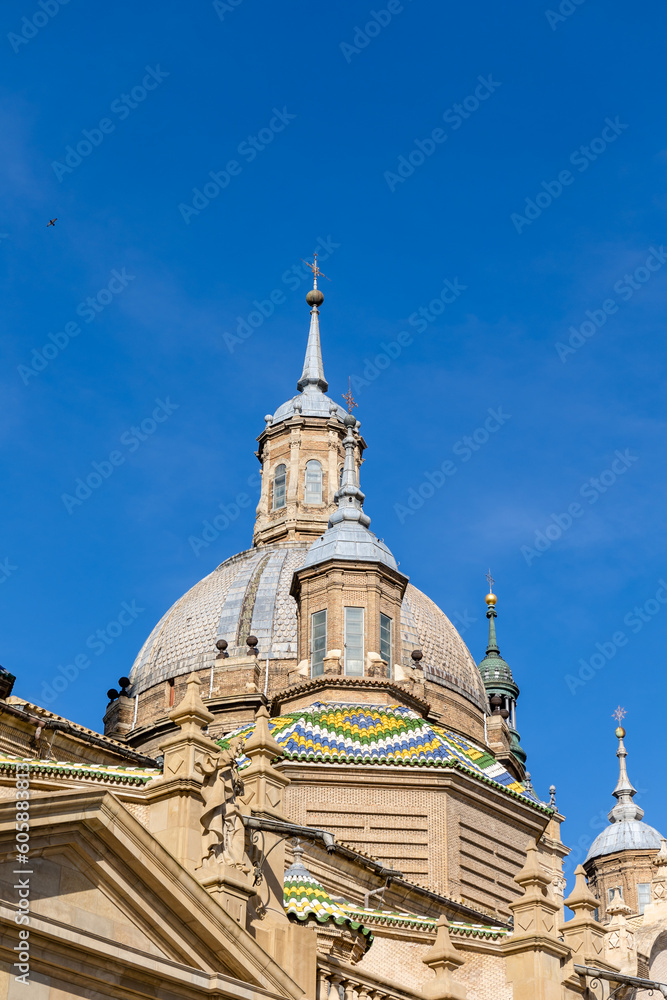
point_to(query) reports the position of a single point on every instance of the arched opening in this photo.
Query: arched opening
(279, 487)
(658, 959)
(313, 488)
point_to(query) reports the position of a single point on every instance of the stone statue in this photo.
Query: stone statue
(223, 834)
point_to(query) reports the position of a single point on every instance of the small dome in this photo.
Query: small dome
(309, 403)
(495, 669)
(631, 835)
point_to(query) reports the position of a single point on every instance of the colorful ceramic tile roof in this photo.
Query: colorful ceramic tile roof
(116, 773)
(386, 735)
(305, 898)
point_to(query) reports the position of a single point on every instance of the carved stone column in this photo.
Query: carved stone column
(348, 986)
(322, 984)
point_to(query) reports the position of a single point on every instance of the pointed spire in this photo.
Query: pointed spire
(348, 535)
(349, 496)
(625, 809)
(492, 647)
(495, 671)
(313, 368)
(497, 676)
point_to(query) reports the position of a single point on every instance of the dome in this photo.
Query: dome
(309, 403)
(631, 835)
(625, 832)
(250, 594)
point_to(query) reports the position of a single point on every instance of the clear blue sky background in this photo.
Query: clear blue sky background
(67, 574)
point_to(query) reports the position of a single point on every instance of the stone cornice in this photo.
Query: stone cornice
(351, 684)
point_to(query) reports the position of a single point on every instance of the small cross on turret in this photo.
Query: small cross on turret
(347, 396)
(314, 267)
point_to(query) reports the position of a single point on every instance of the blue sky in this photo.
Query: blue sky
(519, 156)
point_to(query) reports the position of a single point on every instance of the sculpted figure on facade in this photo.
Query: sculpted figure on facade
(223, 833)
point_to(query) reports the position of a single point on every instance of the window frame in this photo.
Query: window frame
(642, 906)
(313, 625)
(274, 505)
(361, 645)
(313, 462)
(390, 628)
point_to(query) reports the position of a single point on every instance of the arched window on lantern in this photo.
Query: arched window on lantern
(279, 486)
(313, 490)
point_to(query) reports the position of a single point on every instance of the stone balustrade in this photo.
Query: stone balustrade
(337, 983)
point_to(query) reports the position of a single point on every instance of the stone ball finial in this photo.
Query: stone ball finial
(350, 420)
(417, 655)
(504, 713)
(252, 643)
(221, 646)
(314, 298)
(112, 694)
(496, 702)
(268, 418)
(123, 683)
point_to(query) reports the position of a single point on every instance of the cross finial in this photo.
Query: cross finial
(619, 714)
(315, 269)
(491, 581)
(347, 396)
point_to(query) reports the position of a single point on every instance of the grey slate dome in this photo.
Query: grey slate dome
(626, 832)
(632, 835)
(310, 403)
(250, 593)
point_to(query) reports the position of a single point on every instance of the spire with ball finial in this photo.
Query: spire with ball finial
(497, 676)
(313, 368)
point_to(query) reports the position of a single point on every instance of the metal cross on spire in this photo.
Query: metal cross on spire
(316, 270)
(347, 396)
(491, 581)
(619, 714)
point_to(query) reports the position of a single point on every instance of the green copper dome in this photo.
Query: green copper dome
(498, 680)
(495, 671)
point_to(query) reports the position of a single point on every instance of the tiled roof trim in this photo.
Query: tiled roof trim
(305, 898)
(117, 774)
(386, 735)
(477, 931)
(411, 921)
